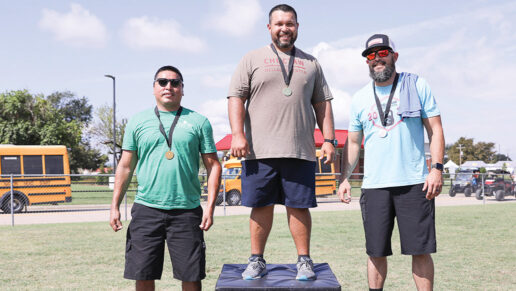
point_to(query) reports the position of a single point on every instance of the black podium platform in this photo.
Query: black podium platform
(279, 277)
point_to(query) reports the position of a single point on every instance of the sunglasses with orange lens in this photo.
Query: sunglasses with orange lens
(381, 54)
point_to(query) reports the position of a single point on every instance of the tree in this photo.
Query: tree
(73, 108)
(102, 130)
(27, 119)
(502, 157)
(480, 151)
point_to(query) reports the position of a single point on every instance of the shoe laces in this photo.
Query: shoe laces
(305, 264)
(257, 264)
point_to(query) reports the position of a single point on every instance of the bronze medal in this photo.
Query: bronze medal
(169, 154)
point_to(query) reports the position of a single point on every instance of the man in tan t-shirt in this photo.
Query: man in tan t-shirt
(273, 95)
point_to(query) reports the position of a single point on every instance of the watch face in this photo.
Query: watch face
(438, 166)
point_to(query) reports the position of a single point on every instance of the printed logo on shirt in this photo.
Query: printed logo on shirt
(272, 65)
(393, 118)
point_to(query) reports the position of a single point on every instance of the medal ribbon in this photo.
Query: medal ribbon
(286, 77)
(172, 127)
(383, 116)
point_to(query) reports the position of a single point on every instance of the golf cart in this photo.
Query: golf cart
(498, 185)
(465, 182)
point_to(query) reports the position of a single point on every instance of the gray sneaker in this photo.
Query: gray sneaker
(255, 269)
(305, 270)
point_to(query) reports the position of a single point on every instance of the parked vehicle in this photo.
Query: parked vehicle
(497, 185)
(464, 182)
(50, 186)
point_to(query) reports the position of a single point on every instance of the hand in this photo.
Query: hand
(114, 219)
(344, 191)
(327, 150)
(239, 146)
(207, 221)
(433, 184)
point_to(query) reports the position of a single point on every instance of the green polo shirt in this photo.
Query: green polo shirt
(163, 183)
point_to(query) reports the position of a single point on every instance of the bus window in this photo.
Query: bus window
(11, 165)
(54, 164)
(32, 165)
(325, 168)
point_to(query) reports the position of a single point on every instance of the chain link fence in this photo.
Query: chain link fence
(70, 197)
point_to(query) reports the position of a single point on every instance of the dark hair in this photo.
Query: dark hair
(284, 8)
(169, 68)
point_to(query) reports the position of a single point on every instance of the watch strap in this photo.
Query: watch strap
(334, 142)
(438, 166)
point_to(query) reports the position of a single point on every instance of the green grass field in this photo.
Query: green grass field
(476, 251)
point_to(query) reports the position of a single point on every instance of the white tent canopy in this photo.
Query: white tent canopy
(451, 166)
(473, 165)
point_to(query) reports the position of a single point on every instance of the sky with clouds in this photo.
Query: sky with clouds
(462, 48)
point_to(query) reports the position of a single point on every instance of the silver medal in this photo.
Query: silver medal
(287, 91)
(382, 132)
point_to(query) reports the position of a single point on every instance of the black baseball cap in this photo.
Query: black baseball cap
(378, 40)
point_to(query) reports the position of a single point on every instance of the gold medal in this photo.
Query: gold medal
(169, 155)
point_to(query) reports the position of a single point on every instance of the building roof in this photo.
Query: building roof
(340, 134)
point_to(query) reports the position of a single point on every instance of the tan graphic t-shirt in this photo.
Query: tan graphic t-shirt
(279, 126)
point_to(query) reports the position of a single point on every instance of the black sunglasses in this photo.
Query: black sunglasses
(174, 82)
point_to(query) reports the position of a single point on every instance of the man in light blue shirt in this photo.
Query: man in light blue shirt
(390, 115)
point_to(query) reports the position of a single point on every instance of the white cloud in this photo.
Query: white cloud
(216, 111)
(219, 81)
(343, 68)
(238, 17)
(78, 27)
(152, 33)
(467, 58)
(341, 103)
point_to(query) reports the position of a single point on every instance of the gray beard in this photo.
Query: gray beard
(382, 76)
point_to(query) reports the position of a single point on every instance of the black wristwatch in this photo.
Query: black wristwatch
(438, 166)
(334, 142)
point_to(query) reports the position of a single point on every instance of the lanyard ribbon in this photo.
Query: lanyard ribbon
(383, 116)
(290, 64)
(172, 127)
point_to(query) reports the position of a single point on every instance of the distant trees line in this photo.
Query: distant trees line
(60, 118)
(471, 151)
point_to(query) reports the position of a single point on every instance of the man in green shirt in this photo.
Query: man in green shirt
(163, 145)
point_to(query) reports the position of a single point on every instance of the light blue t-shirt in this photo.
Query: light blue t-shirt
(399, 158)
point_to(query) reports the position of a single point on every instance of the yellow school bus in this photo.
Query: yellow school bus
(39, 179)
(325, 180)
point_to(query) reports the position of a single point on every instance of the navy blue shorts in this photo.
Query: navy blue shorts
(148, 231)
(286, 181)
(415, 217)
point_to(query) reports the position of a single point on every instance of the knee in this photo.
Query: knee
(422, 258)
(378, 260)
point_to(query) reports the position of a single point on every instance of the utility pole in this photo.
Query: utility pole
(114, 122)
(460, 155)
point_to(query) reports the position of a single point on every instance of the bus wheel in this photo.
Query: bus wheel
(19, 202)
(233, 197)
(219, 199)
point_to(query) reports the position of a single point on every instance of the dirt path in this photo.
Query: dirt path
(89, 213)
